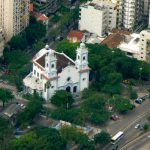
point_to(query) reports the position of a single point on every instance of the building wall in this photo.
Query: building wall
(14, 16)
(145, 45)
(131, 13)
(1, 43)
(98, 20)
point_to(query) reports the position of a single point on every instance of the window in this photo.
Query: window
(83, 79)
(78, 57)
(41, 76)
(52, 65)
(74, 89)
(83, 57)
(37, 74)
(68, 79)
(47, 64)
(45, 88)
(34, 72)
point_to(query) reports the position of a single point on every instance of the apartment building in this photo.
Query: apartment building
(2, 42)
(98, 17)
(145, 45)
(46, 6)
(14, 16)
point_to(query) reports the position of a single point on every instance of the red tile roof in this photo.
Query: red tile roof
(113, 40)
(40, 16)
(62, 61)
(76, 33)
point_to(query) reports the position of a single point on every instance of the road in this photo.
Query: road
(127, 124)
(140, 143)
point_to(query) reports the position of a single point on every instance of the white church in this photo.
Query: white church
(56, 71)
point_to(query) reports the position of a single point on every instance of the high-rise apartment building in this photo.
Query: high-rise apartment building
(131, 13)
(14, 16)
(145, 45)
(98, 17)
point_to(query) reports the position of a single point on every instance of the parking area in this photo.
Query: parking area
(12, 109)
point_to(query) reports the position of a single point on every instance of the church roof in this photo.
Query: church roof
(62, 61)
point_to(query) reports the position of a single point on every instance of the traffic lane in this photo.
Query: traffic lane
(138, 142)
(142, 144)
(130, 117)
(129, 134)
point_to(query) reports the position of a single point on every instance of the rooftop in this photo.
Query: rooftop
(76, 33)
(131, 43)
(113, 40)
(62, 59)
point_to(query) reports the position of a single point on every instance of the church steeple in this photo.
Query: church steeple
(50, 62)
(81, 57)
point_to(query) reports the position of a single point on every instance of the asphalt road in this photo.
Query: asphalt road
(127, 124)
(140, 143)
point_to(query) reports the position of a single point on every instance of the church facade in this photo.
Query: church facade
(54, 71)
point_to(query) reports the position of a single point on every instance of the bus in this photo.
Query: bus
(116, 137)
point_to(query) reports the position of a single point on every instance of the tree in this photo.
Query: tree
(5, 133)
(68, 48)
(16, 59)
(18, 42)
(35, 31)
(63, 99)
(74, 115)
(112, 88)
(95, 108)
(32, 109)
(73, 135)
(5, 95)
(121, 104)
(102, 138)
(133, 94)
(39, 138)
(146, 127)
(38, 45)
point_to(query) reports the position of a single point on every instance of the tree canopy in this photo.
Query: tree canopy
(40, 138)
(102, 138)
(5, 95)
(63, 99)
(31, 110)
(95, 107)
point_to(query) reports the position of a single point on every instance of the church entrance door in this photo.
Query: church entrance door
(68, 89)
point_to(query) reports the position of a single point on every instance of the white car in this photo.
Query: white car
(137, 126)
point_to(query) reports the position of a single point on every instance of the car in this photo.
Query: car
(143, 98)
(138, 101)
(114, 117)
(137, 126)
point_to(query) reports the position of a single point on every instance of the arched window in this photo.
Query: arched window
(68, 79)
(74, 89)
(68, 89)
(83, 57)
(52, 65)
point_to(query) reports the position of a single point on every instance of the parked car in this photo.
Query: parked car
(138, 101)
(114, 117)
